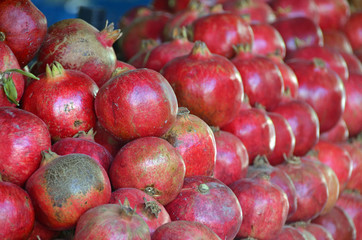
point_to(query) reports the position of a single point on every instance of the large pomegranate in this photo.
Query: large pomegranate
(209, 85)
(22, 138)
(65, 187)
(208, 201)
(150, 164)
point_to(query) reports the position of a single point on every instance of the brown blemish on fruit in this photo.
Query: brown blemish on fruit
(77, 123)
(2, 37)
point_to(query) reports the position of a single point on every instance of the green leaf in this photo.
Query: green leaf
(10, 90)
(27, 74)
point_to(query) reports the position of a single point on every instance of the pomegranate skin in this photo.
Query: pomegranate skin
(184, 230)
(207, 84)
(339, 133)
(43, 232)
(107, 140)
(355, 151)
(318, 231)
(195, 141)
(290, 80)
(354, 65)
(289, 233)
(333, 14)
(294, 8)
(57, 203)
(336, 39)
(17, 212)
(208, 201)
(352, 29)
(231, 157)
(151, 211)
(150, 164)
(255, 129)
(24, 28)
(22, 138)
(137, 103)
(256, 196)
(9, 61)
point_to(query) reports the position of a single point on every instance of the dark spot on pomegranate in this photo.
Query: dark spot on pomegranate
(77, 123)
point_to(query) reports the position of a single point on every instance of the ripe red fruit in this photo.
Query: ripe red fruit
(122, 67)
(23, 28)
(136, 104)
(290, 81)
(220, 31)
(231, 159)
(22, 136)
(195, 141)
(289, 233)
(107, 140)
(207, 84)
(265, 206)
(151, 211)
(208, 201)
(255, 129)
(336, 39)
(138, 60)
(132, 14)
(317, 231)
(354, 65)
(333, 14)
(184, 230)
(84, 143)
(57, 202)
(112, 221)
(295, 8)
(355, 151)
(339, 133)
(42, 232)
(63, 99)
(352, 29)
(150, 164)
(17, 212)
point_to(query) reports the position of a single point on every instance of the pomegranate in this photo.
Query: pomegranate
(338, 223)
(57, 202)
(256, 196)
(23, 28)
(333, 14)
(336, 39)
(22, 136)
(135, 104)
(208, 201)
(310, 186)
(132, 14)
(354, 65)
(231, 159)
(107, 140)
(207, 84)
(63, 99)
(289, 233)
(255, 129)
(182, 4)
(112, 221)
(220, 31)
(84, 143)
(184, 230)
(322, 89)
(151, 211)
(138, 60)
(352, 29)
(290, 80)
(42, 232)
(122, 67)
(339, 133)
(17, 212)
(295, 8)
(150, 164)
(355, 151)
(77, 45)
(318, 231)
(195, 141)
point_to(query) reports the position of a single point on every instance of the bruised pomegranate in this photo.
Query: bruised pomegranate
(77, 45)
(135, 104)
(63, 99)
(207, 84)
(112, 221)
(289, 233)
(208, 201)
(184, 230)
(23, 28)
(195, 141)
(22, 138)
(65, 187)
(151, 211)
(338, 133)
(150, 164)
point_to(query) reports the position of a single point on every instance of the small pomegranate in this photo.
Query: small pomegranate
(184, 230)
(57, 202)
(208, 201)
(151, 211)
(289, 233)
(63, 99)
(122, 67)
(355, 151)
(339, 133)
(150, 164)
(112, 221)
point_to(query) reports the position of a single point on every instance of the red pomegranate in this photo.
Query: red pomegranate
(63, 99)
(132, 14)
(355, 151)
(135, 104)
(209, 85)
(122, 67)
(255, 129)
(333, 14)
(295, 8)
(339, 133)
(336, 39)
(150, 164)
(84, 143)
(195, 141)
(23, 28)
(107, 140)
(289, 233)
(57, 202)
(151, 211)
(354, 65)
(317, 231)
(17, 212)
(352, 29)
(42, 232)
(25, 136)
(231, 159)
(184, 230)
(77, 45)
(290, 81)
(208, 201)
(256, 196)
(138, 60)
(112, 221)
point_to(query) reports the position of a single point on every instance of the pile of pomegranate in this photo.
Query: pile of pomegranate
(215, 119)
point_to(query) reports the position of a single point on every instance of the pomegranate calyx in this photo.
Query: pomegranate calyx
(109, 35)
(1, 179)
(312, 153)
(9, 88)
(119, 71)
(179, 33)
(152, 207)
(183, 111)
(300, 223)
(242, 48)
(261, 161)
(47, 157)
(54, 70)
(299, 43)
(320, 63)
(241, 4)
(292, 160)
(218, 8)
(126, 207)
(200, 50)
(283, 11)
(203, 188)
(2, 37)
(263, 175)
(215, 129)
(85, 135)
(153, 192)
